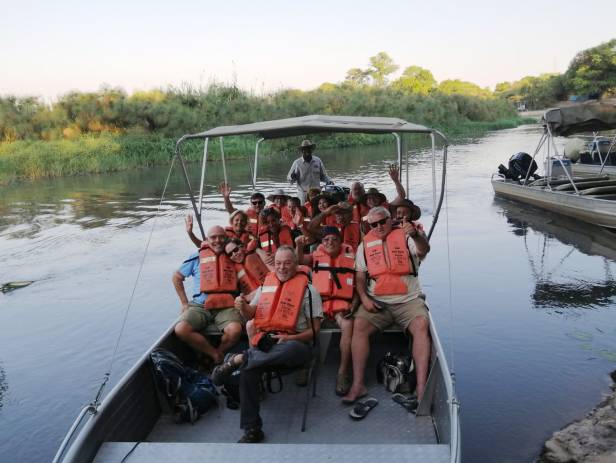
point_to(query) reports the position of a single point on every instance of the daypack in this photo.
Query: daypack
(396, 373)
(190, 392)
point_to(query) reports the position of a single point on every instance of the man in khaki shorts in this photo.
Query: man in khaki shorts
(388, 287)
(195, 315)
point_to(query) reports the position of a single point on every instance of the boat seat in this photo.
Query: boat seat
(599, 190)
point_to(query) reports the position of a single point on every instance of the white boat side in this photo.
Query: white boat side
(588, 209)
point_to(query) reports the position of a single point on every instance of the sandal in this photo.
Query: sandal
(343, 384)
(221, 372)
(410, 403)
(361, 409)
(252, 436)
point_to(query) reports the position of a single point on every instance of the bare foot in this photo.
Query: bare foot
(355, 394)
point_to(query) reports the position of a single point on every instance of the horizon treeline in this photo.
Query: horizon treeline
(415, 95)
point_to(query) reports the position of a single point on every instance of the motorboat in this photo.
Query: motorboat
(599, 157)
(133, 421)
(590, 199)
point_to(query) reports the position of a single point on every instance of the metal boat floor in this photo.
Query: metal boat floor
(246, 453)
(388, 428)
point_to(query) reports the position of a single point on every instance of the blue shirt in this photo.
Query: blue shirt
(190, 268)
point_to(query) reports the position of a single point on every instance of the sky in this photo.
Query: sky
(48, 48)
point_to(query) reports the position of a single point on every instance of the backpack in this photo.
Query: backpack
(396, 373)
(190, 392)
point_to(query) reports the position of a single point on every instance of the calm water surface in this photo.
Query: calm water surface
(528, 320)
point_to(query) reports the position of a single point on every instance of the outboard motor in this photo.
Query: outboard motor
(518, 167)
(339, 193)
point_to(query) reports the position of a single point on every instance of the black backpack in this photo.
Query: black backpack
(190, 392)
(397, 373)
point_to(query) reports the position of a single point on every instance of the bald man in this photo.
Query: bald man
(213, 298)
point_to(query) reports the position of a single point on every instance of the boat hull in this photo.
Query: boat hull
(592, 210)
(580, 168)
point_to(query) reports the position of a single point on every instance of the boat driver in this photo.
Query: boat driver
(307, 171)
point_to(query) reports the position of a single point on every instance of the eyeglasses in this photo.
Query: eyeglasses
(378, 222)
(256, 203)
(233, 251)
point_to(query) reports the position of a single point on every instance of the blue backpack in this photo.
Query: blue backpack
(190, 392)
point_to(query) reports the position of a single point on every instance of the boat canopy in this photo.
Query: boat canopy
(305, 125)
(586, 117)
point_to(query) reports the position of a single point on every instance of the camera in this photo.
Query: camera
(266, 342)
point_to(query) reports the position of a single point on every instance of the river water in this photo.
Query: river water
(527, 318)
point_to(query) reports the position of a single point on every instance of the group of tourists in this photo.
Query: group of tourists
(278, 271)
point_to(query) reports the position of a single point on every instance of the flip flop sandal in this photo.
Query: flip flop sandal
(361, 409)
(409, 403)
(351, 402)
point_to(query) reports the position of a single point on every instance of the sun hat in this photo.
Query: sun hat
(276, 193)
(401, 202)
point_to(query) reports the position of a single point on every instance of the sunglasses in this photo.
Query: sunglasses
(378, 222)
(256, 203)
(233, 251)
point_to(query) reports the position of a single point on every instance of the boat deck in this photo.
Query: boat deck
(329, 429)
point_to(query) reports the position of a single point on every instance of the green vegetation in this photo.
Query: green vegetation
(110, 130)
(591, 73)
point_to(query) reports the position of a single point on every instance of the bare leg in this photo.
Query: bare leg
(419, 329)
(196, 340)
(250, 329)
(346, 334)
(360, 350)
(230, 336)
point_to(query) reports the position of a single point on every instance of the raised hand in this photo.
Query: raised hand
(394, 172)
(224, 189)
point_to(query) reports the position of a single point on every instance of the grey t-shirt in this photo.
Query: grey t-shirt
(304, 315)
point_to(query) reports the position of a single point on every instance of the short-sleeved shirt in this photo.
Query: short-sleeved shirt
(309, 174)
(412, 282)
(304, 315)
(190, 268)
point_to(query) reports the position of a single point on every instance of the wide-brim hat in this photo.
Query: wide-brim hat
(306, 144)
(415, 210)
(278, 192)
(375, 192)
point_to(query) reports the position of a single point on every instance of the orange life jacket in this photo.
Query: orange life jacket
(330, 221)
(351, 234)
(334, 278)
(251, 274)
(245, 237)
(271, 243)
(280, 304)
(387, 266)
(254, 221)
(218, 278)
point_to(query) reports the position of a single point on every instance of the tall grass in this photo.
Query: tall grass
(114, 152)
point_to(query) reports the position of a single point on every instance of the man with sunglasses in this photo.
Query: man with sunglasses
(212, 302)
(388, 287)
(257, 204)
(307, 171)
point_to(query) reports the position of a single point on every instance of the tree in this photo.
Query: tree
(461, 87)
(593, 70)
(356, 76)
(415, 79)
(381, 65)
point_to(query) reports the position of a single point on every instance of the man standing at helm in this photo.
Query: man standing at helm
(307, 171)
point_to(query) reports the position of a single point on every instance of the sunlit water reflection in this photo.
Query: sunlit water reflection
(529, 328)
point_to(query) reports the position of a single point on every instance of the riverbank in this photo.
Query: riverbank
(31, 160)
(592, 439)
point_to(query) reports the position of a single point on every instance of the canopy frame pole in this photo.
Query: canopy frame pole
(222, 157)
(433, 140)
(437, 210)
(596, 147)
(256, 163)
(609, 150)
(539, 145)
(203, 174)
(551, 137)
(407, 155)
(399, 148)
(187, 181)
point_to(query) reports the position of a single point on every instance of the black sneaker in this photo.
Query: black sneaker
(221, 372)
(252, 436)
